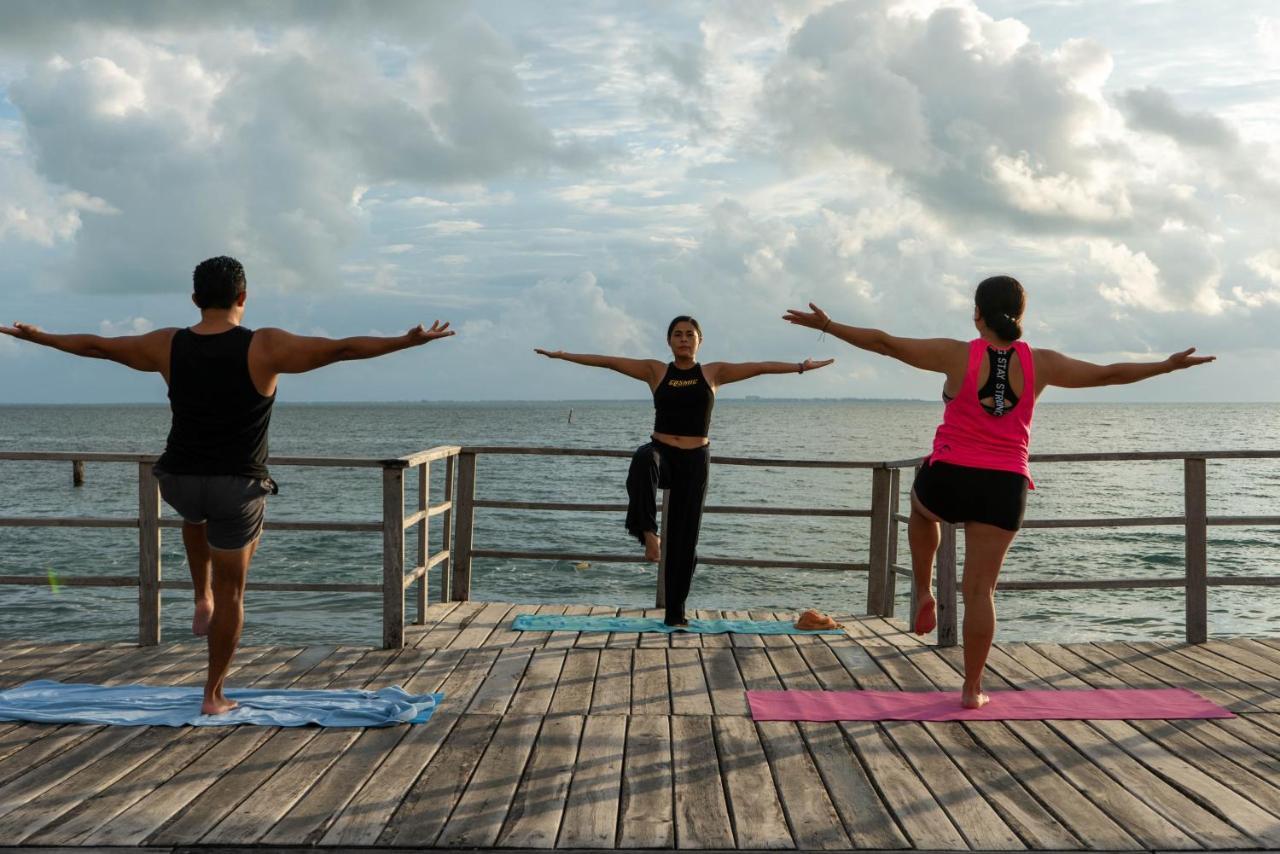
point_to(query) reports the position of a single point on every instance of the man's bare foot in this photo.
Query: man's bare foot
(217, 705)
(200, 622)
(652, 546)
(973, 698)
(926, 616)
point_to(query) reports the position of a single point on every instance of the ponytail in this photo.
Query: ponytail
(1000, 301)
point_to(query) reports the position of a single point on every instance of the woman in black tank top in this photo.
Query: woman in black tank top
(678, 456)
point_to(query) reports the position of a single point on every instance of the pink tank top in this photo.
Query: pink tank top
(971, 436)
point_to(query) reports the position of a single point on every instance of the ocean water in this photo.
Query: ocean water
(837, 430)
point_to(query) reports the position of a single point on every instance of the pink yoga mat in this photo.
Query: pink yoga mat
(1097, 704)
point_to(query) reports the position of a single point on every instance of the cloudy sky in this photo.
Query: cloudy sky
(572, 175)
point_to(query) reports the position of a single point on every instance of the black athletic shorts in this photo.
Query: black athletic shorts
(958, 494)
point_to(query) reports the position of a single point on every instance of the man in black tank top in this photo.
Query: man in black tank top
(222, 384)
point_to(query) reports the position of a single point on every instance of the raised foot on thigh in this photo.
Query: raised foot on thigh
(203, 614)
(652, 546)
(973, 698)
(926, 619)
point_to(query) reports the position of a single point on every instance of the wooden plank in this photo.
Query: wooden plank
(499, 686)
(793, 669)
(462, 673)
(422, 813)
(757, 817)
(370, 810)
(647, 799)
(577, 679)
(625, 640)
(654, 639)
(477, 819)
(724, 681)
(84, 746)
(612, 693)
(533, 821)
(595, 791)
(1195, 538)
(539, 683)
(482, 625)
(448, 626)
(650, 687)
(977, 820)
(853, 793)
(1014, 780)
(701, 813)
(921, 818)
(689, 692)
(757, 671)
(504, 635)
(742, 640)
(151, 798)
(308, 819)
(597, 640)
(811, 816)
(566, 640)
(540, 639)
(1023, 748)
(1170, 669)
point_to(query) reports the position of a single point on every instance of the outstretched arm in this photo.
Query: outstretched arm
(646, 370)
(286, 353)
(929, 354)
(723, 373)
(1053, 368)
(148, 352)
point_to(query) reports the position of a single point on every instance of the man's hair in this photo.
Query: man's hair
(218, 282)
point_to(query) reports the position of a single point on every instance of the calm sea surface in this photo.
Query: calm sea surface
(845, 430)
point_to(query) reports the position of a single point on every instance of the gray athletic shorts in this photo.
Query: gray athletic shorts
(231, 506)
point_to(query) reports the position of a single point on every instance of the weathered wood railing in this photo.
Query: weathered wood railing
(466, 504)
(458, 551)
(1195, 522)
(395, 578)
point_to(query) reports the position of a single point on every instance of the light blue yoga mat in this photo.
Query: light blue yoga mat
(557, 623)
(47, 701)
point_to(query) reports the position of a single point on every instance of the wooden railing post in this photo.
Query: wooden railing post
(463, 527)
(946, 571)
(392, 558)
(446, 531)
(660, 596)
(148, 557)
(891, 575)
(877, 579)
(1195, 502)
(77, 472)
(422, 590)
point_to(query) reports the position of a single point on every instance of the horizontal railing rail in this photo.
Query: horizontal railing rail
(457, 508)
(396, 578)
(1194, 521)
(468, 503)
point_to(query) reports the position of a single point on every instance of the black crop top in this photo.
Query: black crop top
(682, 402)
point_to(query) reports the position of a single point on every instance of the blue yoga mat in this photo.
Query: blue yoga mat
(47, 701)
(557, 623)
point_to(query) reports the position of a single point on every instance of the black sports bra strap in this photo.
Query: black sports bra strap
(998, 387)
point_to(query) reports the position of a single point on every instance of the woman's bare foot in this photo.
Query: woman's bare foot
(204, 613)
(652, 546)
(217, 705)
(926, 616)
(973, 698)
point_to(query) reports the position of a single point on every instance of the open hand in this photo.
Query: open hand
(25, 331)
(815, 319)
(1178, 361)
(419, 335)
(550, 354)
(811, 365)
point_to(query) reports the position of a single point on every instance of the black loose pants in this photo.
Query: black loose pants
(684, 472)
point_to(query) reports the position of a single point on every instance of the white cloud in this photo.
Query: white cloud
(127, 326)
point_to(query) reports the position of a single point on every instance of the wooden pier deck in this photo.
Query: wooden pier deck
(599, 741)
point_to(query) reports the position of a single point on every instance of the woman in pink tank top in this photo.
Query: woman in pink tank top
(977, 473)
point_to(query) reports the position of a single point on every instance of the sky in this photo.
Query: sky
(571, 176)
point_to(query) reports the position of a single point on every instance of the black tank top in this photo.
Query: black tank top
(682, 402)
(219, 419)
